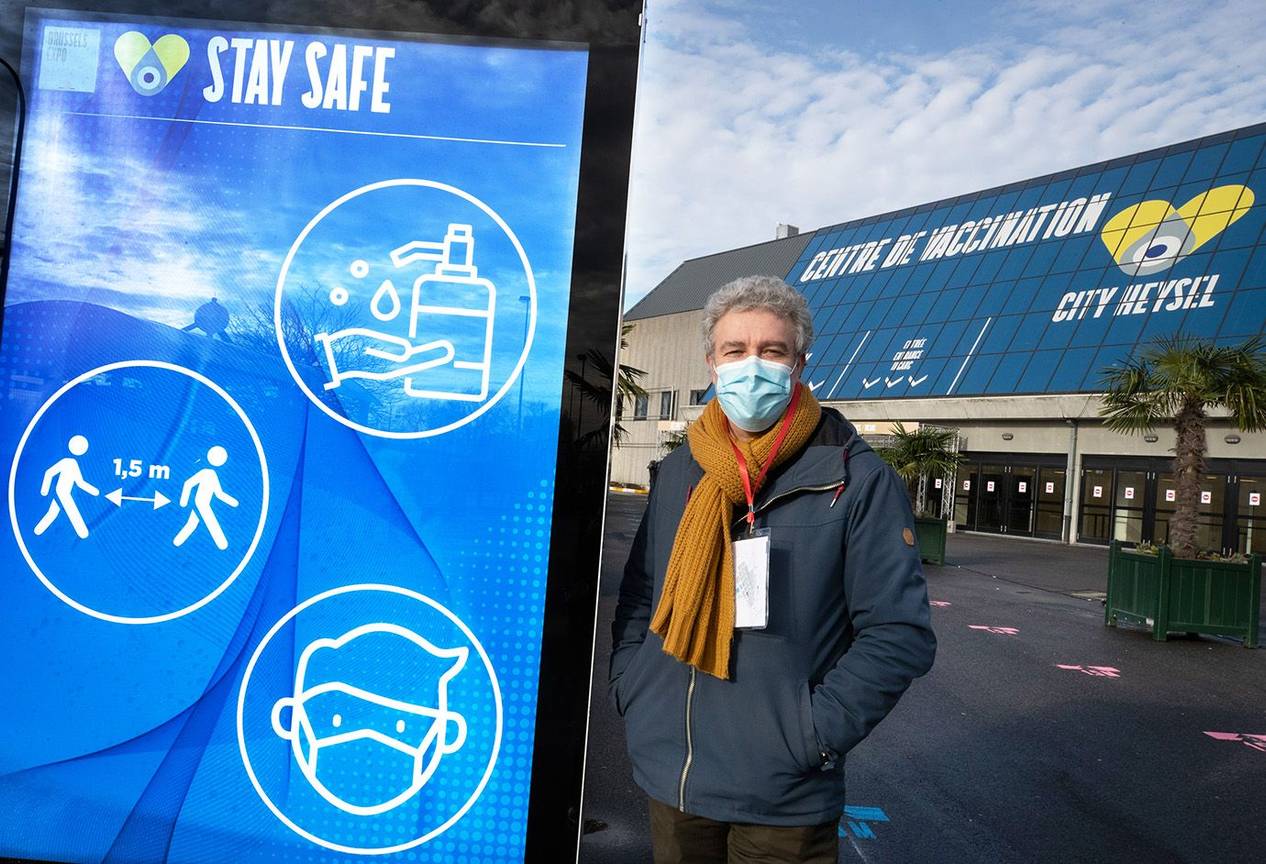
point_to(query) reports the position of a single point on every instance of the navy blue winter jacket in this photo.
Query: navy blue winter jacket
(849, 629)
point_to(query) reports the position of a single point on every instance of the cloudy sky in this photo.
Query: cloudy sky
(755, 112)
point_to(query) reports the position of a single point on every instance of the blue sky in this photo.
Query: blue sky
(755, 113)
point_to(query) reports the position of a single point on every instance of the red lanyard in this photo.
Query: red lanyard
(749, 489)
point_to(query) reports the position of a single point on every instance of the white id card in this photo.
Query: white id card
(751, 581)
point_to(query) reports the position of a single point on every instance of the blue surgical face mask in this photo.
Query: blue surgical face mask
(753, 392)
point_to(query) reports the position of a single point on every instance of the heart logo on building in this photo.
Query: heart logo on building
(1152, 236)
(150, 67)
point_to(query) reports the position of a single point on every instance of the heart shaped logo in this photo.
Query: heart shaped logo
(1152, 236)
(150, 67)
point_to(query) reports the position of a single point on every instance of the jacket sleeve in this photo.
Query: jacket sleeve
(887, 601)
(633, 608)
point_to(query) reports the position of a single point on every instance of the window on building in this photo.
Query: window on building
(696, 396)
(666, 404)
(640, 405)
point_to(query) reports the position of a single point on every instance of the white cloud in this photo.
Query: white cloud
(144, 251)
(734, 136)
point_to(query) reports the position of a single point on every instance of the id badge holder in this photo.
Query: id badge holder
(751, 581)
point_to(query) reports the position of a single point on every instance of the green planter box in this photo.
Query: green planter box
(930, 534)
(1180, 595)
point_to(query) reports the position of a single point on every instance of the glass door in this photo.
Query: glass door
(989, 507)
(1021, 497)
(965, 497)
(1096, 505)
(1049, 521)
(1250, 520)
(1128, 499)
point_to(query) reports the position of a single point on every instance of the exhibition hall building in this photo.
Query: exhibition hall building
(995, 314)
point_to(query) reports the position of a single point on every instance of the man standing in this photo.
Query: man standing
(740, 699)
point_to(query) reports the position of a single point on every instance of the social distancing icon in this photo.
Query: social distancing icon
(144, 521)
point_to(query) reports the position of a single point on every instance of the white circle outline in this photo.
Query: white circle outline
(241, 708)
(13, 476)
(373, 187)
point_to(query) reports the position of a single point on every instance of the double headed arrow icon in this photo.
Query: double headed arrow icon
(117, 498)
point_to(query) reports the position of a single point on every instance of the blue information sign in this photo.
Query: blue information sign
(1038, 286)
(283, 352)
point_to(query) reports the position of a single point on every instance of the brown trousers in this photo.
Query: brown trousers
(679, 838)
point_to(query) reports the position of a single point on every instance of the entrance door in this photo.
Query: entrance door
(1049, 521)
(1096, 505)
(989, 506)
(1021, 497)
(1128, 500)
(1250, 519)
(965, 497)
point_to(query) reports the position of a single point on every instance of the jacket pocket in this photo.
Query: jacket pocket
(625, 685)
(809, 734)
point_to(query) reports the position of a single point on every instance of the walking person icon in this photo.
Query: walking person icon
(68, 476)
(205, 486)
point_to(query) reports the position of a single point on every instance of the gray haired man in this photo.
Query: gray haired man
(773, 608)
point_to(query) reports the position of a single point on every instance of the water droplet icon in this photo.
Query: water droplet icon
(386, 292)
(149, 76)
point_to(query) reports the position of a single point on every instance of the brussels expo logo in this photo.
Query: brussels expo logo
(1153, 236)
(149, 68)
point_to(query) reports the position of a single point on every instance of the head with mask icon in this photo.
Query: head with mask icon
(368, 721)
(756, 331)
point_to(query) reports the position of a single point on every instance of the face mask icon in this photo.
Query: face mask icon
(369, 721)
(149, 67)
(1152, 236)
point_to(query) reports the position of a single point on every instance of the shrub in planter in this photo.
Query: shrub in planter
(916, 455)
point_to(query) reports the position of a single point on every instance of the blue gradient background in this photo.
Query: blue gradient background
(117, 742)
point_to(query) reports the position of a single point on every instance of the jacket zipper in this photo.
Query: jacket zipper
(765, 506)
(690, 747)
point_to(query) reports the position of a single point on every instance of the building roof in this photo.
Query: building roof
(687, 287)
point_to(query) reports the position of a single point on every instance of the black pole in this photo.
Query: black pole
(13, 184)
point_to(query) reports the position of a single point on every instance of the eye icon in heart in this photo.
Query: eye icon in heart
(1152, 236)
(149, 67)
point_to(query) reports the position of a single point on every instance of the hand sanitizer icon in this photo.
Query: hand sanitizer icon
(455, 306)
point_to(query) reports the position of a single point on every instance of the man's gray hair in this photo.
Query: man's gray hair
(759, 292)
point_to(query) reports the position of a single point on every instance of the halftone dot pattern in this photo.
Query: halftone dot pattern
(507, 565)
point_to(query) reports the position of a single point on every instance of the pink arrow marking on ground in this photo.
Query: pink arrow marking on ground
(1257, 742)
(939, 603)
(1097, 671)
(1001, 631)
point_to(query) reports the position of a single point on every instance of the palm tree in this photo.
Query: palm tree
(920, 453)
(1183, 377)
(594, 385)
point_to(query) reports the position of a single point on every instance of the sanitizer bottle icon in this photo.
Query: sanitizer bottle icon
(454, 305)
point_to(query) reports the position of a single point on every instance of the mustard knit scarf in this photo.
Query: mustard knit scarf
(696, 609)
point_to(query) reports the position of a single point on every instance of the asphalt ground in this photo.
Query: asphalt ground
(998, 754)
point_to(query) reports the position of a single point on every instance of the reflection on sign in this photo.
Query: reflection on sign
(1050, 488)
(1023, 487)
(1206, 497)
(1129, 493)
(1097, 492)
(1254, 499)
(1170, 494)
(988, 485)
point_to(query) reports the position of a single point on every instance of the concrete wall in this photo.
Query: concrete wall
(669, 350)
